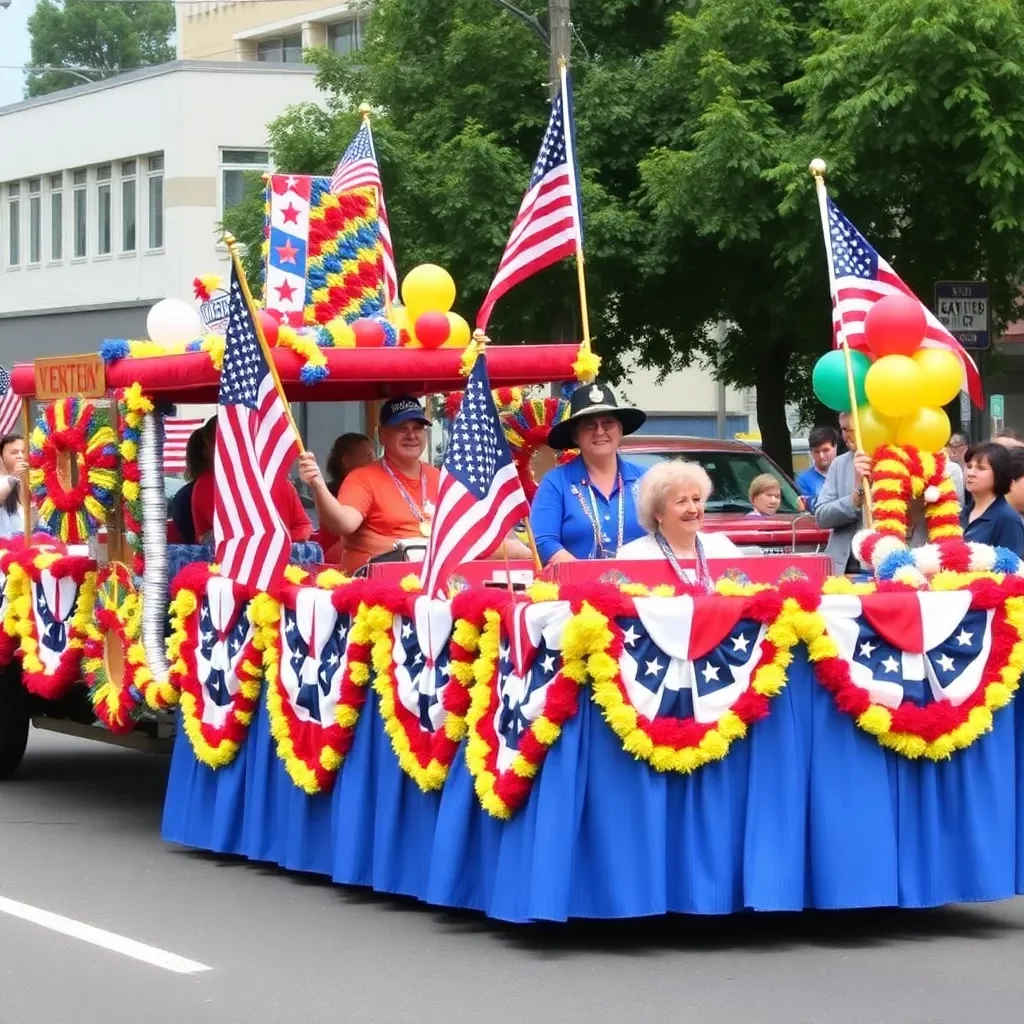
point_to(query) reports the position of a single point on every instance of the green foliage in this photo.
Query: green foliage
(695, 123)
(110, 36)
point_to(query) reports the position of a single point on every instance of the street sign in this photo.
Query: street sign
(995, 412)
(965, 413)
(963, 309)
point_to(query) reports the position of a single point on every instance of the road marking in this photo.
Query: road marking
(98, 937)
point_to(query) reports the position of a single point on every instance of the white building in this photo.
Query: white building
(111, 194)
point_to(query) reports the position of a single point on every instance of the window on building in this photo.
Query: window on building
(280, 49)
(234, 164)
(56, 217)
(129, 204)
(345, 36)
(103, 205)
(155, 194)
(80, 201)
(13, 225)
(35, 220)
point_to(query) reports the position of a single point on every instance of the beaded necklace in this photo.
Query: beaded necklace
(425, 511)
(704, 580)
(593, 514)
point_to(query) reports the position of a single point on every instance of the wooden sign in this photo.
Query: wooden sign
(64, 376)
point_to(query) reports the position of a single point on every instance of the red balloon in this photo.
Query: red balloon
(432, 329)
(895, 326)
(270, 325)
(369, 333)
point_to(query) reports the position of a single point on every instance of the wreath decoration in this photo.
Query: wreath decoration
(113, 659)
(315, 703)
(933, 730)
(424, 753)
(49, 595)
(219, 633)
(526, 430)
(72, 432)
(132, 407)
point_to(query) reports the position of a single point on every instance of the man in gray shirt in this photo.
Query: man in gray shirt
(840, 506)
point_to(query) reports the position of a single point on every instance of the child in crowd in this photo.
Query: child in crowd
(765, 495)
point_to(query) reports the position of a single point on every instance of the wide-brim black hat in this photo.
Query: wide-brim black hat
(594, 400)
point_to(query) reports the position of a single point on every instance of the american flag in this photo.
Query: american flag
(358, 169)
(862, 277)
(10, 404)
(479, 497)
(548, 226)
(177, 431)
(255, 449)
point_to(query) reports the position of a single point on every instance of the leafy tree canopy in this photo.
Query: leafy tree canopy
(95, 34)
(696, 123)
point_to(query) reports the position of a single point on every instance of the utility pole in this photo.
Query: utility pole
(560, 30)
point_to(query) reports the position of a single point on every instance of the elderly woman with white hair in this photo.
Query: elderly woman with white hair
(670, 507)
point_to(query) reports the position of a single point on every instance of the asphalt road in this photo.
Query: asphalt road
(79, 837)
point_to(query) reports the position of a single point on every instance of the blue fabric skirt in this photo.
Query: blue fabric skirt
(808, 811)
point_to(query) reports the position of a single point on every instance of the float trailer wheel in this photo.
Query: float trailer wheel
(14, 720)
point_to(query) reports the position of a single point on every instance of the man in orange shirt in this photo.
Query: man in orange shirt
(286, 498)
(391, 499)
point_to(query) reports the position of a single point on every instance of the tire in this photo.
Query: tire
(14, 720)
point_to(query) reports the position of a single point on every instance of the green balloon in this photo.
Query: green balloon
(829, 379)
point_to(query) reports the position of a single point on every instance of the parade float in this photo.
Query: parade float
(601, 741)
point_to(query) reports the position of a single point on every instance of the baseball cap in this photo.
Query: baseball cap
(401, 410)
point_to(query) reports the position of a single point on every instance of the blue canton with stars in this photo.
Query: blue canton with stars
(311, 694)
(713, 672)
(514, 718)
(55, 634)
(244, 366)
(415, 662)
(852, 253)
(948, 660)
(478, 448)
(216, 683)
(360, 148)
(553, 152)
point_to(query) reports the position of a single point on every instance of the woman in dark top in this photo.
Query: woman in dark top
(350, 451)
(987, 517)
(198, 459)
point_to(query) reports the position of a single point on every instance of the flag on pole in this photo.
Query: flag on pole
(862, 277)
(549, 225)
(10, 405)
(358, 169)
(255, 448)
(480, 497)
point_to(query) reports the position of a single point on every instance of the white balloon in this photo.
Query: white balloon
(173, 322)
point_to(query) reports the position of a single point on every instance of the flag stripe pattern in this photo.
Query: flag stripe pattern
(358, 168)
(862, 277)
(480, 497)
(177, 431)
(546, 229)
(254, 451)
(10, 404)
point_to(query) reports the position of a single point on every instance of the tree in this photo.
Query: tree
(107, 37)
(696, 123)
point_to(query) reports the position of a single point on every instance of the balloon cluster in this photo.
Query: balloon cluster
(426, 320)
(900, 386)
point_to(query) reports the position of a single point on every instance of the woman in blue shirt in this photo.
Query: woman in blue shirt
(988, 518)
(587, 508)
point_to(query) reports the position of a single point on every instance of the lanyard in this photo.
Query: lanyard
(703, 573)
(420, 513)
(593, 514)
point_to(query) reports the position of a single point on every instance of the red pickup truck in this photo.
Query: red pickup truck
(732, 465)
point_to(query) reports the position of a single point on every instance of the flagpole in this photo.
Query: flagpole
(26, 496)
(817, 169)
(366, 110)
(232, 244)
(577, 213)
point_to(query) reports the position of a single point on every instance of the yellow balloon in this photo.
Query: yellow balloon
(460, 333)
(399, 318)
(893, 386)
(428, 288)
(927, 429)
(875, 429)
(941, 375)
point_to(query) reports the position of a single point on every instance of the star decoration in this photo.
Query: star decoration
(406, 630)
(285, 291)
(548, 664)
(653, 667)
(710, 673)
(739, 643)
(867, 649)
(963, 638)
(290, 214)
(286, 253)
(946, 663)
(630, 637)
(890, 664)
